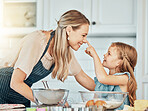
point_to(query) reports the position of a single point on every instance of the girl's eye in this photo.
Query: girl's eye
(108, 53)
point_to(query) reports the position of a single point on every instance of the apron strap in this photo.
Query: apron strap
(52, 35)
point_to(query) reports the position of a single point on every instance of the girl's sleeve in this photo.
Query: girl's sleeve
(127, 73)
(100, 86)
(30, 54)
(75, 67)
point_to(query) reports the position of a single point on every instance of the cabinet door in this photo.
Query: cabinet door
(113, 17)
(55, 8)
(21, 16)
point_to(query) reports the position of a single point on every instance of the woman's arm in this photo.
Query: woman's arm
(17, 84)
(84, 80)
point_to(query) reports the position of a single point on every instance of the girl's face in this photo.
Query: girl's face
(111, 60)
(77, 37)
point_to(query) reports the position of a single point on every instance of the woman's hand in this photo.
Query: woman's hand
(17, 84)
(84, 80)
(90, 49)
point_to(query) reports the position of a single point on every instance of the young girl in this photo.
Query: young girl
(120, 60)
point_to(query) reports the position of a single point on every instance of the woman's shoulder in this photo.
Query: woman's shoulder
(35, 34)
(34, 37)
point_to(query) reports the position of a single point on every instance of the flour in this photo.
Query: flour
(112, 104)
(49, 97)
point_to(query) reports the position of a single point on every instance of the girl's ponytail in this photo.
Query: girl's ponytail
(128, 55)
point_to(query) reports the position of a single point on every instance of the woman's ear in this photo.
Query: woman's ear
(68, 29)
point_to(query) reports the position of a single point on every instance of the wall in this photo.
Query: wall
(7, 43)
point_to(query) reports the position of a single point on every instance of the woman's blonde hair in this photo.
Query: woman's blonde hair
(128, 54)
(61, 50)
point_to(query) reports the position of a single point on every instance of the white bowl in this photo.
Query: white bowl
(50, 96)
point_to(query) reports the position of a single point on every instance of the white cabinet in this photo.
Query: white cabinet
(113, 17)
(107, 17)
(18, 17)
(55, 8)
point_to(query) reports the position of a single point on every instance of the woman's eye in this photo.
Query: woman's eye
(83, 35)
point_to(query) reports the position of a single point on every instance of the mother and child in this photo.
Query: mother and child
(43, 52)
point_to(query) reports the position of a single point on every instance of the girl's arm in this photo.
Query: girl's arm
(17, 84)
(101, 74)
(84, 80)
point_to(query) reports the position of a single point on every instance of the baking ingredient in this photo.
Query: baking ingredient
(107, 104)
(48, 96)
(140, 104)
(128, 108)
(112, 104)
(96, 103)
(100, 103)
(90, 103)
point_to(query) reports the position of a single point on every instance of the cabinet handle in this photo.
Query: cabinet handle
(93, 23)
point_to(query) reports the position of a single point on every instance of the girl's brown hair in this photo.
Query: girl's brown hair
(61, 51)
(128, 54)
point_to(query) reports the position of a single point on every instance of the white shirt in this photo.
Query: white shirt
(26, 54)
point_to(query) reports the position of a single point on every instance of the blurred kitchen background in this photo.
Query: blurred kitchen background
(111, 21)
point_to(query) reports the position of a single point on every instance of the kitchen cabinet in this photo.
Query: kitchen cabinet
(113, 17)
(19, 17)
(55, 8)
(107, 17)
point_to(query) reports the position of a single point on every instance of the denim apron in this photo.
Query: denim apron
(8, 95)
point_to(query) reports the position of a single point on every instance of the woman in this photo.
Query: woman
(42, 52)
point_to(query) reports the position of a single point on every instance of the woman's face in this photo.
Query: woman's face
(111, 60)
(76, 37)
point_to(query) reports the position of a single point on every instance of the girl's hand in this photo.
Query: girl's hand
(90, 50)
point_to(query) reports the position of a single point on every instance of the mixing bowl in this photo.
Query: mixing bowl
(49, 97)
(113, 99)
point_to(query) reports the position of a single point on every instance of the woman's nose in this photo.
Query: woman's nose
(84, 40)
(104, 55)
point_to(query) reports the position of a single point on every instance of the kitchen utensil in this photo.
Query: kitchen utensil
(49, 97)
(113, 99)
(46, 86)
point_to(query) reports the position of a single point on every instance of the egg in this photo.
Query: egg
(100, 103)
(90, 103)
